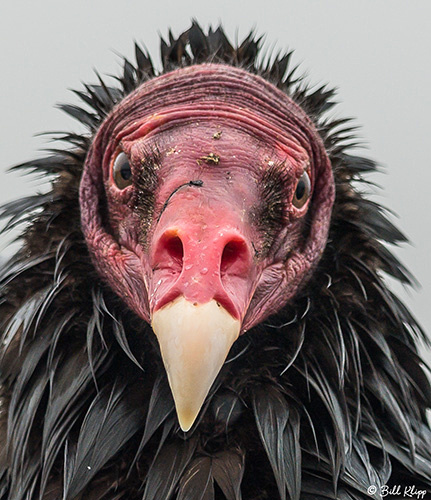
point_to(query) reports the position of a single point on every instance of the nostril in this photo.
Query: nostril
(173, 247)
(234, 258)
(168, 253)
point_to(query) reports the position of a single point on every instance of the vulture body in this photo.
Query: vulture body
(323, 394)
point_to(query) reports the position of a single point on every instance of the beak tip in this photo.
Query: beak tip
(187, 414)
(185, 425)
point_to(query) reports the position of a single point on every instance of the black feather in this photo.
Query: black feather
(198, 42)
(278, 426)
(228, 470)
(198, 481)
(167, 469)
(112, 419)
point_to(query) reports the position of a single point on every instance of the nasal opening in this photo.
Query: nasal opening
(170, 252)
(234, 258)
(174, 248)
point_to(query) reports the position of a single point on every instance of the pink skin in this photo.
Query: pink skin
(203, 241)
(201, 246)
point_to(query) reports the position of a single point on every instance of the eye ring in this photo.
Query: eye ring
(302, 191)
(121, 171)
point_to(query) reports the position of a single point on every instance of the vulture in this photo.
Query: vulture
(198, 309)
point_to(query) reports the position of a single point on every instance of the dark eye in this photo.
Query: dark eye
(121, 171)
(302, 191)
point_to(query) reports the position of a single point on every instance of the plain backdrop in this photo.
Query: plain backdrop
(376, 52)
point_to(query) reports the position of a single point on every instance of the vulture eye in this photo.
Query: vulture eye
(121, 171)
(302, 191)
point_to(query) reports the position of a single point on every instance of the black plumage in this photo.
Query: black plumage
(323, 400)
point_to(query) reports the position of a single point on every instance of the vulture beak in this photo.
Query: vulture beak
(194, 341)
(203, 276)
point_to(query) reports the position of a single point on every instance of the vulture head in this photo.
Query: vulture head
(205, 201)
(198, 309)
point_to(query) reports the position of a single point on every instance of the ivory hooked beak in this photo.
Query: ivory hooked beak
(195, 340)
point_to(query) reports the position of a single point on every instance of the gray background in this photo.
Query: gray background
(377, 52)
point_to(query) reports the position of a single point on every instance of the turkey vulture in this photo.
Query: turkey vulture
(197, 310)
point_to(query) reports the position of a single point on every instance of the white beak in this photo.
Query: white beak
(195, 340)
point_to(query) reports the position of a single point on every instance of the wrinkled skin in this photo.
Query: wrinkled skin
(222, 127)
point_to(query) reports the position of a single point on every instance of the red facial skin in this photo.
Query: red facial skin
(213, 130)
